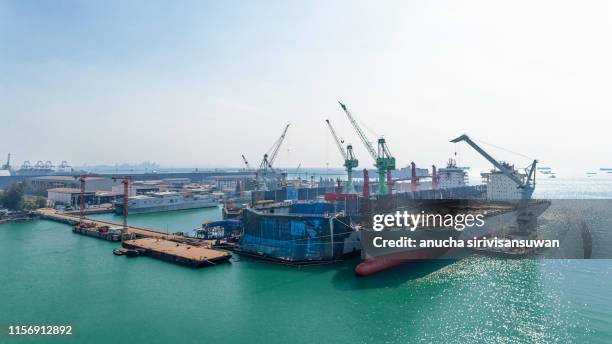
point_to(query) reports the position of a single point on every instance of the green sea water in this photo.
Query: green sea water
(48, 275)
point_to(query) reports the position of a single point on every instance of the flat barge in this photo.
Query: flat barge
(100, 231)
(184, 254)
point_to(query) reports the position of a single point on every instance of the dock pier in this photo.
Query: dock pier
(165, 246)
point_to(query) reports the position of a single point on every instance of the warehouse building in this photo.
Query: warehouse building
(53, 182)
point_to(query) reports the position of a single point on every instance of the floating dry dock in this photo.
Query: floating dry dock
(193, 256)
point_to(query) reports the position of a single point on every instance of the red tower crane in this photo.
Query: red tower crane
(389, 182)
(82, 179)
(126, 194)
(366, 183)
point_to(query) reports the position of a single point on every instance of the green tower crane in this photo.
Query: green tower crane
(350, 162)
(383, 158)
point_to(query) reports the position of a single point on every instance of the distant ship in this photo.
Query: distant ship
(166, 201)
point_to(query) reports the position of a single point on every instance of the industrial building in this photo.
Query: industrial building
(69, 196)
(52, 182)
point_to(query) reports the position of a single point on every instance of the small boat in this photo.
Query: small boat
(119, 251)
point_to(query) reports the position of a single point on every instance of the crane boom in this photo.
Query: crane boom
(246, 163)
(360, 133)
(338, 141)
(276, 146)
(265, 167)
(350, 162)
(384, 161)
(492, 160)
(525, 219)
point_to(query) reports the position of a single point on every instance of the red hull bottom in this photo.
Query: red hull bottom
(376, 264)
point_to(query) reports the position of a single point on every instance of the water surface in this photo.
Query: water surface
(52, 276)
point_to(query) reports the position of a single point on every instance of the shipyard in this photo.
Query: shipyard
(270, 216)
(373, 222)
(347, 171)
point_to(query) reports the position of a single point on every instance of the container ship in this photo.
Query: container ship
(166, 201)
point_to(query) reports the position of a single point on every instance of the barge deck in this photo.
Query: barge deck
(189, 255)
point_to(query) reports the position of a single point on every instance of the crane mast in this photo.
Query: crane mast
(384, 161)
(350, 162)
(527, 186)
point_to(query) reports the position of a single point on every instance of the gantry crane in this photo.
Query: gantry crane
(526, 185)
(383, 158)
(350, 162)
(266, 165)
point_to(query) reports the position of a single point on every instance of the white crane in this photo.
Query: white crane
(266, 165)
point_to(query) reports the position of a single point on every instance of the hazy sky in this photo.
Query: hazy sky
(200, 83)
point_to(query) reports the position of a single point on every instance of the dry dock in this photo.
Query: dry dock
(193, 256)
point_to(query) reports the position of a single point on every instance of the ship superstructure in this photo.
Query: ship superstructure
(499, 186)
(452, 176)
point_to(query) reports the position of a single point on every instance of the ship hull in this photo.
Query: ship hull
(374, 265)
(495, 223)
